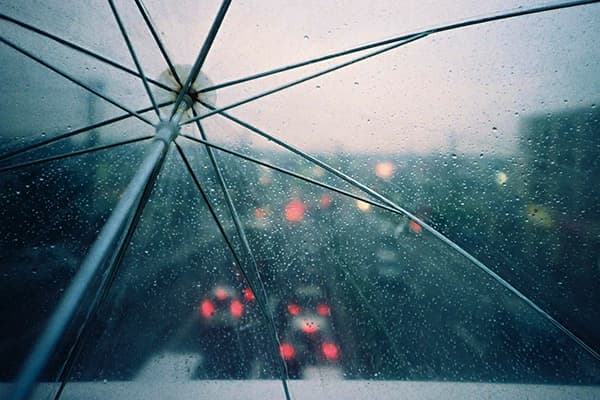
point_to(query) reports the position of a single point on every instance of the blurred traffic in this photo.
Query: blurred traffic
(351, 287)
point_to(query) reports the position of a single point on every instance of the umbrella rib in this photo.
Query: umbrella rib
(136, 61)
(78, 131)
(425, 226)
(249, 253)
(211, 209)
(150, 24)
(82, 50)
(75, 80)
(212, 34)
(293, 174)
(442, 28)
(213, 213)
(263, 306)
(307, 78)
(71, 154)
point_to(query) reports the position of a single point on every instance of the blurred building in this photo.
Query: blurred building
(562, 167)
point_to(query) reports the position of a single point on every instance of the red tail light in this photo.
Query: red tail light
(325, 201)
(259, 213)
(207, 308)
(330, 351)
(415, 227)
(324, 310)
(294, 211)
(236, 308)
(287, 351)
(294, 309)
(248, 294)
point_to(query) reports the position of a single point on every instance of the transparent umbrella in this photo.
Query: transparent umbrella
(203, 200)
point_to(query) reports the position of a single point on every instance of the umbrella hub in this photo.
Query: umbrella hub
(178, 77)
(167, 130)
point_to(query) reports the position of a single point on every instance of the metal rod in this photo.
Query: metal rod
(462, 24)
(425, 226)
(108, 278)
(307, 78)
(75, 80)
(82, 50)
(150, 24)
(100, 251)
(71, 154)
(212, 34)
(109, 241)
(78, 131)
(293, 174)
(136, 61)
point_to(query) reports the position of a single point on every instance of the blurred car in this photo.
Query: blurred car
(307, 337)
(221, 333)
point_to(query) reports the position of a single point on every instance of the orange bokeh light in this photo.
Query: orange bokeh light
(384, 169)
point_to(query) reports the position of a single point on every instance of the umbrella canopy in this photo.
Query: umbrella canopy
(203, 199)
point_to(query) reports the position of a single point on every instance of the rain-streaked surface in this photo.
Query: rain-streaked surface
(489, 134)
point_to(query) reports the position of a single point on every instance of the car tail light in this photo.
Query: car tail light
(287, 351)
(325, 201)
(323, 309)
(221, 294)
(330, 351)
(237, 308)
(248, 294)
(207, 308)
(294, 309)
(415, 227)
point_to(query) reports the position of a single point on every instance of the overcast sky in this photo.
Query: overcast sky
(467, 89)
